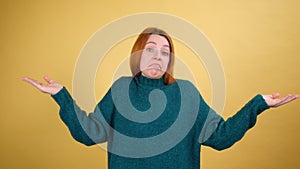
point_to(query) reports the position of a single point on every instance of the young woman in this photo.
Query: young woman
(152, 120)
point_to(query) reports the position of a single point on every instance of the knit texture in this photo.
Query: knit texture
(150, 125)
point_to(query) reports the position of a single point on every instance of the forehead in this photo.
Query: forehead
(158, 40)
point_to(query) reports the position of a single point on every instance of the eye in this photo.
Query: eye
(165, 53)
(151, 50)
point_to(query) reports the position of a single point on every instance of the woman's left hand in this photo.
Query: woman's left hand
(273, 100)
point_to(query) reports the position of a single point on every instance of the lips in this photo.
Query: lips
(155, 66)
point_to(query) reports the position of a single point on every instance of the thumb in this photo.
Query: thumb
(48, 79)
(275, 95)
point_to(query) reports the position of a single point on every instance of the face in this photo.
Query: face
(155, 57)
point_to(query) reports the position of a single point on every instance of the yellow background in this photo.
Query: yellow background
(257, 42)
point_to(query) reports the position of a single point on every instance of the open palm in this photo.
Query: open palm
(273, 100)
(51, 87)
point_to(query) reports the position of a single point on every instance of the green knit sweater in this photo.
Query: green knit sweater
(150, 125)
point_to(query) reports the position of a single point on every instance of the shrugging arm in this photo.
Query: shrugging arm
(87, 129)
(223, 134)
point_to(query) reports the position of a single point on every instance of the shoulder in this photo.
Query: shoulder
(123, 80)
(122, 84)
(187, 85)
(189, 89)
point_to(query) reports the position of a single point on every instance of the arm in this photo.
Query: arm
(226, 133)
(87, 129)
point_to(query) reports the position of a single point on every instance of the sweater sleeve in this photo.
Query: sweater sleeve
(88, 129)
(223, 134)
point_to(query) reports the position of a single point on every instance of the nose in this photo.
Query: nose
(157, 55)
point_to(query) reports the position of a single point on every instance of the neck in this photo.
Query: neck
(151, 82)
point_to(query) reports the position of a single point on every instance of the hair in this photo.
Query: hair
(138, 47)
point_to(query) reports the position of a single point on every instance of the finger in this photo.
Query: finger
(287, 99)
(275, 95)
(33, 82)
(25, 79)
(48, 79)
(29, 80)
(293, 97)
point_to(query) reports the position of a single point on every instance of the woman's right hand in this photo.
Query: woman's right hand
(51, 88)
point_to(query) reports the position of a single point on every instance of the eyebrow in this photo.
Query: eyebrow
(151, 42)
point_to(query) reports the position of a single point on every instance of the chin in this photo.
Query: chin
(152, 75)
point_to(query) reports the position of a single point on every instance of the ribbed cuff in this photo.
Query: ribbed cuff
(261, 104)
(63, 97)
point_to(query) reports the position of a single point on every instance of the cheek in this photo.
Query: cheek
(143, 62)
(165, 63)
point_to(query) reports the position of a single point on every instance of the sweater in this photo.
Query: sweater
(148, 124)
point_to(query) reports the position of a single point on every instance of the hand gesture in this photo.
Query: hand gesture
(51, 88)
(273, 100)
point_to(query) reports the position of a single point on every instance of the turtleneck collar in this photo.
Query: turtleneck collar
(145, 81)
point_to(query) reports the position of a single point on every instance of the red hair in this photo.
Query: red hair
(139, 45)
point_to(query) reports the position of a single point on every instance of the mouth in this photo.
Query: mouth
(155, 66)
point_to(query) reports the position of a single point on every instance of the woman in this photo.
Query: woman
(136, 110)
